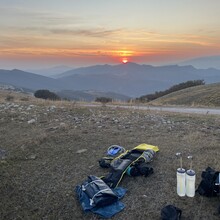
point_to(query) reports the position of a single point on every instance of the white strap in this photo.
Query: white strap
(91, 200)
(84, 186)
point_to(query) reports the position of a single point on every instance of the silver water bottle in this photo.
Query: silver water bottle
(190, 180)
(181, 178)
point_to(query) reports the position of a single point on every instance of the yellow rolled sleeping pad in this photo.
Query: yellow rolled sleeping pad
(147, 147)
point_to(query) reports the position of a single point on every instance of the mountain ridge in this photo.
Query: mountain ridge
(130, 79)
(204, 62)
(133, 79)
(28, 80)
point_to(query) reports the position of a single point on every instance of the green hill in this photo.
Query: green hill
(204, 95)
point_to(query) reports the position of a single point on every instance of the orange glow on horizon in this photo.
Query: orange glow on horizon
(124, 53)
(91, 55)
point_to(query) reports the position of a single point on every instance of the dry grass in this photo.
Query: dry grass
(205, 95)
(42, 166)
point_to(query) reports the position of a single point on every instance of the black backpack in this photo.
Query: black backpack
(209, 186)
(170, 212)
(98, 192)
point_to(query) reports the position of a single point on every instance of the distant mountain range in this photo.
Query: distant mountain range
(204, 62)
(63, 70)
(28, 80)
(131, 79)
(50, 72)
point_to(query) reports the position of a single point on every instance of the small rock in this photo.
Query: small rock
(2, 154)
(52, 108)
(30, 107)
(31, 121)
(52, 128)
(33, 157)
(25, 113)
(90, 167)
(81, 151)
(62, 125)
(23, 147)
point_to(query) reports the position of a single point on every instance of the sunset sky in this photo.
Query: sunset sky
(45, 33)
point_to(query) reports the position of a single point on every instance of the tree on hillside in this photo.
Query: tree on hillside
(46, 94)
(103, 100)
(180, 86)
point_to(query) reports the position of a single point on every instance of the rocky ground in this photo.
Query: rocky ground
(47, 148)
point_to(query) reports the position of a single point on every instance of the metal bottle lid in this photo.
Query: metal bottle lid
(190, 172)
(181, 170)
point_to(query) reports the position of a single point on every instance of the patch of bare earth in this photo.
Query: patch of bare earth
(47, 149)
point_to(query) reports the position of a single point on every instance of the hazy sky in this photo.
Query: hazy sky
(40, 33)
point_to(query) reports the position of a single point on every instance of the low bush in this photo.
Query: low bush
(103, 100)
(46, 94)
(9, 98)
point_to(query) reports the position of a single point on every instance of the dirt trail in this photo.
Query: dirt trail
(204, 111)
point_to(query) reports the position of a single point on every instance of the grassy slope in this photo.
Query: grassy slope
(205, 95)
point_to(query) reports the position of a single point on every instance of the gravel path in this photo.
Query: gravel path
(205, 111)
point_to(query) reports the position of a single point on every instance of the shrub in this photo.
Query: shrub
(46, 94)
(103, 100)
(25, 99)
(9, 98)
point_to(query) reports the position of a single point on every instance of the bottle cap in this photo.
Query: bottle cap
(181, 170)
(190, 172)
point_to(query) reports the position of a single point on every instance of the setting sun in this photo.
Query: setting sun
(124, 60)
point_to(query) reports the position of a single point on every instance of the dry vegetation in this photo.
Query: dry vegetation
(40, 161)
(205, 95)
